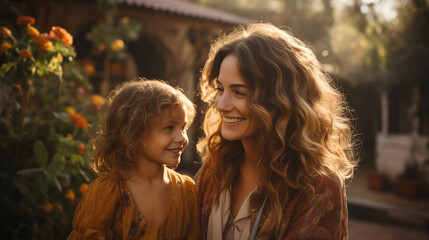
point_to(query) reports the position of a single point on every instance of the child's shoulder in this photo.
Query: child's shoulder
(106, 179)
(181, 178)
(104, 184)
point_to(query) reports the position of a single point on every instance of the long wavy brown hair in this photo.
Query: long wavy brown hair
(305, 132)
(133, 107)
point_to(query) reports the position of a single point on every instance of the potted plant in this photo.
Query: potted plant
(377, 181)
(410, 183)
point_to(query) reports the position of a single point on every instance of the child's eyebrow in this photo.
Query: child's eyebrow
(174, 122)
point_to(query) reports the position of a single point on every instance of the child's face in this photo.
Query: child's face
(238, 122)
(167, 139)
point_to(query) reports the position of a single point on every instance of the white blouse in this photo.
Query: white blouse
(221, 226)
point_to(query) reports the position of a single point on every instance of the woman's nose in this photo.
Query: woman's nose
(222, 103)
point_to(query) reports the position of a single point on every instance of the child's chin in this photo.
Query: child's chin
(173, 164)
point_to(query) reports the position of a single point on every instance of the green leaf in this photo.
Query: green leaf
(5, 67)
(57, 184)
(76, 72)
(51, 179)
(31, 172)
(62, 116)
(40, 154)
(66, 177)
(77, 158)
(83, 174)
(57, 163)
(43, 186)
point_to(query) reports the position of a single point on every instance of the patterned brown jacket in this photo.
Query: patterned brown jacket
(307, 216)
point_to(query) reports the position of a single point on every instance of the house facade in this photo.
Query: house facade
(173, 44)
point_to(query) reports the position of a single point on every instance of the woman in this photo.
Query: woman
(277, 141)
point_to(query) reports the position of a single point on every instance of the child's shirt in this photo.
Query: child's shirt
(107, 211)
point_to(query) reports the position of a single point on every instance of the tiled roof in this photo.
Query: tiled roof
(188, 9)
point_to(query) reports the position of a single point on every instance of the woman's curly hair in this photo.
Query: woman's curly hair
(133, 108)
(305, 132)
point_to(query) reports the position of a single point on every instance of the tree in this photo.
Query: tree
(308, 20)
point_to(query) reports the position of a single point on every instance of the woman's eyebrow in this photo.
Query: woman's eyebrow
(233, 85)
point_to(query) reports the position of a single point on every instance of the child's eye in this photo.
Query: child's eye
(169, 128)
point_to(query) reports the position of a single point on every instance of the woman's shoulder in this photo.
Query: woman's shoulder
(324, 188)
(200, 176)
(330, 181)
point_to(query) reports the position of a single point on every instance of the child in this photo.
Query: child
(136, 196)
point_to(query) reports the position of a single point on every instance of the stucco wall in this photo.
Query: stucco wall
(392, 152)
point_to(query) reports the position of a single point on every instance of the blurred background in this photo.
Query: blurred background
(60, 58)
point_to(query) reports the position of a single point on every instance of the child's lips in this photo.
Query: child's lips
(176, 150)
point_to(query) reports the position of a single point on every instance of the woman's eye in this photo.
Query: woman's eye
(240, 93)
(169, 128)
(219, 89)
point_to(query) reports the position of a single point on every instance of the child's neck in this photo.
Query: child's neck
(150, 175)
(151, 190)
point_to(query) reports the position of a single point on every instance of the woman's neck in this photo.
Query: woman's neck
(249, 168)
(251, 152)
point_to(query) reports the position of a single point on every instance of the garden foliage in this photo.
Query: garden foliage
(47, 114)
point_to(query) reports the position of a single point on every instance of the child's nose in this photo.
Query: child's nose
(182, 136)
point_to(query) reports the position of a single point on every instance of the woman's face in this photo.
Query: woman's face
(238, 122)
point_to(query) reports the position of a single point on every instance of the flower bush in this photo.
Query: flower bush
(47, 114)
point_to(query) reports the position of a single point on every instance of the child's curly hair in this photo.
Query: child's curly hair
(133, 108)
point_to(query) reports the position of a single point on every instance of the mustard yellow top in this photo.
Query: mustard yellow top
(107, 211)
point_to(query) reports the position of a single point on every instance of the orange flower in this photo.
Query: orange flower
(97, 100)
(63, 35)
(89, 69)
(32, 31)
(125, 20)
(101, 47)
(69, 136)
(60, 207)
(70, 195)
(5, 32)
(81, 148)
(5, 46)
(70, 111)
(25, 20)
(25, 53)
(79, 121)
(48, 207)
(83, 187)
(117, 45)
(17, 87)
(43, 41)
